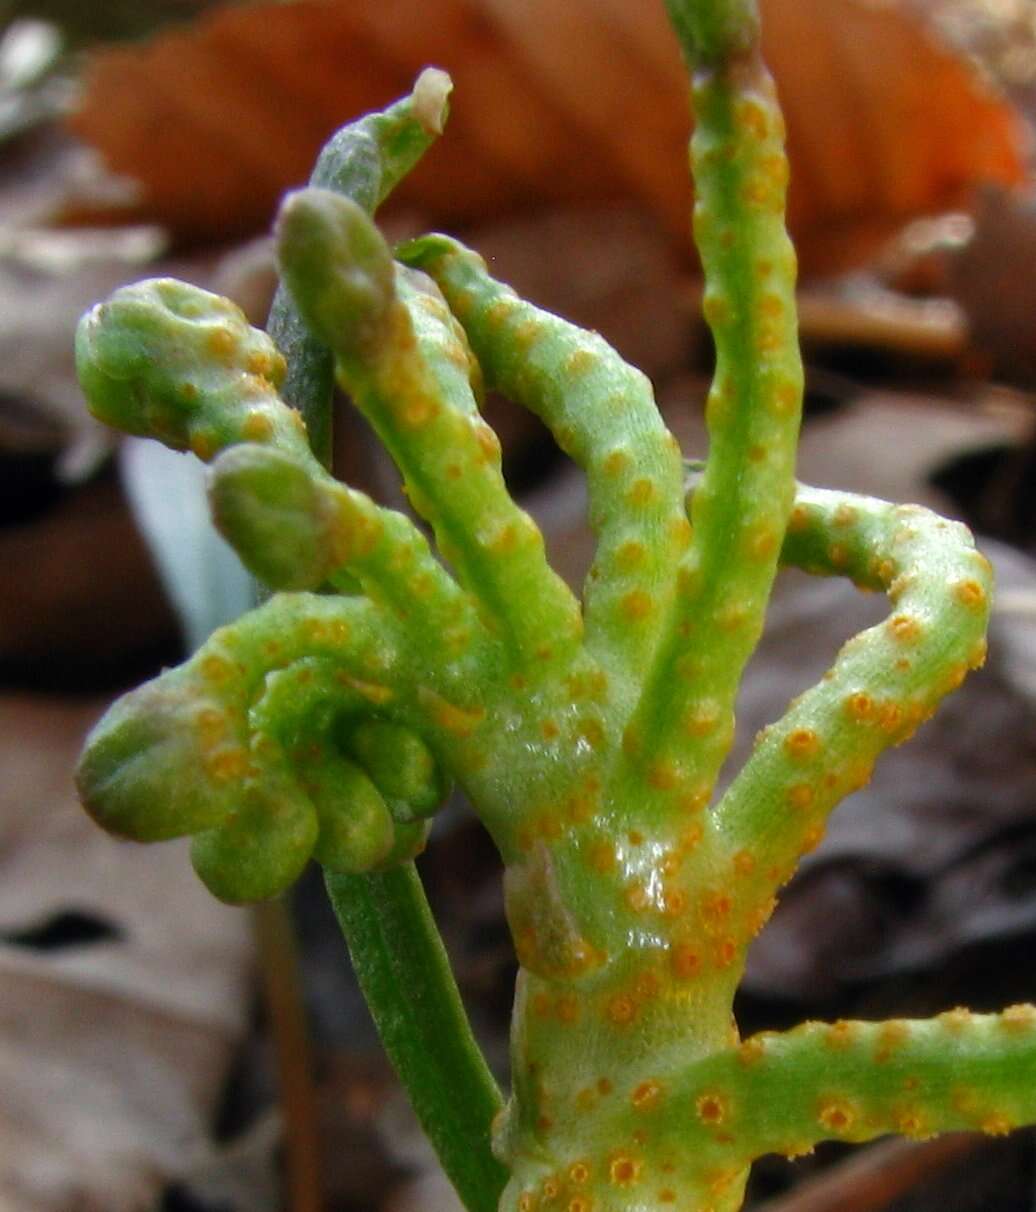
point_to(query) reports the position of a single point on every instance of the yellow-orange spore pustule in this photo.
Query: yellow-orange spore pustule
(883, 684)
(603, 414)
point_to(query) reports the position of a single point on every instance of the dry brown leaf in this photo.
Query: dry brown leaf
(112, 1051)
(554, 103)
(884, 123)
(857, 311)
(993, 277)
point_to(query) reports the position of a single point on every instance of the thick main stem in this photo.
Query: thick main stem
(661, 950)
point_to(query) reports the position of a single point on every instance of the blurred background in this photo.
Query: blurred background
(160, 1051)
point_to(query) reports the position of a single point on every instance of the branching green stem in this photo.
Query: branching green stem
(587, 736)
(602, 413)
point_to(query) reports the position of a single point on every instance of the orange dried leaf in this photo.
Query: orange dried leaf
(554, 104)
(884, 123)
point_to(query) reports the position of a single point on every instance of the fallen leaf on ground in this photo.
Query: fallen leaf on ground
(124, 988)
(993, 277)
(884, 122)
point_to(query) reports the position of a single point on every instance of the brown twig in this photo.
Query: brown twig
(282, 993)
(871, 1179)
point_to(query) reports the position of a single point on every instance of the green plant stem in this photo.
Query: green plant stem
(411, 378)
(590, 755)
(405, 976)
(740, 510)
(783, 1092)
(826, 744)
(714, 29)
(364, 161)
(602, 412)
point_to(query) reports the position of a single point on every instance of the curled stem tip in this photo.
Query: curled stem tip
(337, 266)
(431, 100)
